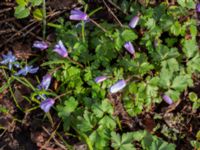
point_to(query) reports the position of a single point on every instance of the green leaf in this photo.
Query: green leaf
(116, 139)
(129, 35)
(87, 122)
(181, 82)
(176, 28)
(165, 78)
(190, 47)
(21, 2)
(163, 52)
(193, 31)
(139, 135)
(35, 2)
(108, 122)
(69, 107)
(193, 96)
(122, 143)
(190, 4)
(171, 64)
(100, 109)
(37, 14)
(150, 24)
(193, 64)
(151, 142)
(71, 104)
(99, 139)
(195, 144)
(21, 12)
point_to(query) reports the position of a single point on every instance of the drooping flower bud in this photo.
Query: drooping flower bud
(100, 79)
(118, 86)
(134, 21)
(167, 99)
(78, 15)
(60, 49)
(129, 47)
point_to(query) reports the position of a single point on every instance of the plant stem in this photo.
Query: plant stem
(98, 25)
(94, 11)
(44, 18)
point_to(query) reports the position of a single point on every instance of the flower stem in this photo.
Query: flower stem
(83, 31)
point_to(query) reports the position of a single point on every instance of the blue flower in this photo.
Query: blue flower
(47, 104)
(100, 79)
(26, 70)
(167, 99)
(9, 59)
(129, 47)
(40, 44)
(60, 49)
(46, 80)
(118, 86)
(78, 15)
(134, 21)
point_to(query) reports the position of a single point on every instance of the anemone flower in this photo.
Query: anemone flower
(9, 59)
(27, 69)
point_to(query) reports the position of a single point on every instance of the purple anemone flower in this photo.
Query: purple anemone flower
(198, 7)
(118, 86)
(100, 79)
(60, 49)
(129, 47)
(47, 104)
(40, 44)
(78, 15)
(46, 80)
(9, 59)
(134, 21)
(27, 69)
(167, 99)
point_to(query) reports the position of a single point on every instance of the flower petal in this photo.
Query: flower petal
(47, 104)
(33, 70)
(40, 44)
(46, 80)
